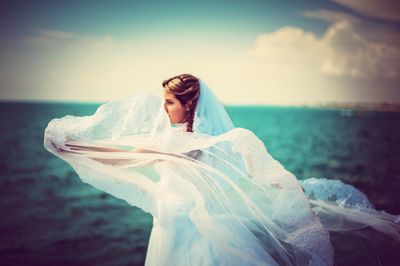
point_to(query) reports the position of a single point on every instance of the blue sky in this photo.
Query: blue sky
(249, 52)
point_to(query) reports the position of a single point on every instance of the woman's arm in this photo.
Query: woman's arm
(78, 148)
(92, 148)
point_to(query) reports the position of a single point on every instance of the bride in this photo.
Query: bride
(216, 195)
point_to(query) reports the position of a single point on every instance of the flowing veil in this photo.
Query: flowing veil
(210, 116)
(238, 198)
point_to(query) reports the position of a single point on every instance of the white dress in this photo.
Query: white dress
(175, 239)
(215, 200)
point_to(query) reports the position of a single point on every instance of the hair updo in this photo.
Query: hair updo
(185, 88)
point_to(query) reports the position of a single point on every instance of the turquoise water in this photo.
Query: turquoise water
(50, 217)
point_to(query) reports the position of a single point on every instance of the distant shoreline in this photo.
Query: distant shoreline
(381, 107)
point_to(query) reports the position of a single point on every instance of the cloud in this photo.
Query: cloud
(330, 16)
(382, 9)
(342, 51)
(52, 38)
(351, 54)
(369, 29)
(286, 44)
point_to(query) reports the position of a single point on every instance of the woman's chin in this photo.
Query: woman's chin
(175, 121)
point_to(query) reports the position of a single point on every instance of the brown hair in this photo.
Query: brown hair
(186, 88)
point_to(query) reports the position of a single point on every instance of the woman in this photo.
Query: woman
(216, 195)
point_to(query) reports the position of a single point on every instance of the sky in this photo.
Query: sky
(247, 52)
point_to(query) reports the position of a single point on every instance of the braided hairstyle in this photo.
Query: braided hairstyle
(185, 88)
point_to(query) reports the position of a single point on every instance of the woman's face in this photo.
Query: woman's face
(175, 110)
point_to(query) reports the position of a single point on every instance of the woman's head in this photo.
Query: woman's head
(181, 93)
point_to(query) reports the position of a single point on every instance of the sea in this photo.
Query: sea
(48, 216)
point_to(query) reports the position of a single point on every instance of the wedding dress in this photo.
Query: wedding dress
(216, 195)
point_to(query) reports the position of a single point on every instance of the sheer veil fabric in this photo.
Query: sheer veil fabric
(216, 195)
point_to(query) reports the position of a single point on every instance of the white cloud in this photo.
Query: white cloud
(351, 53)
(341, 52)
